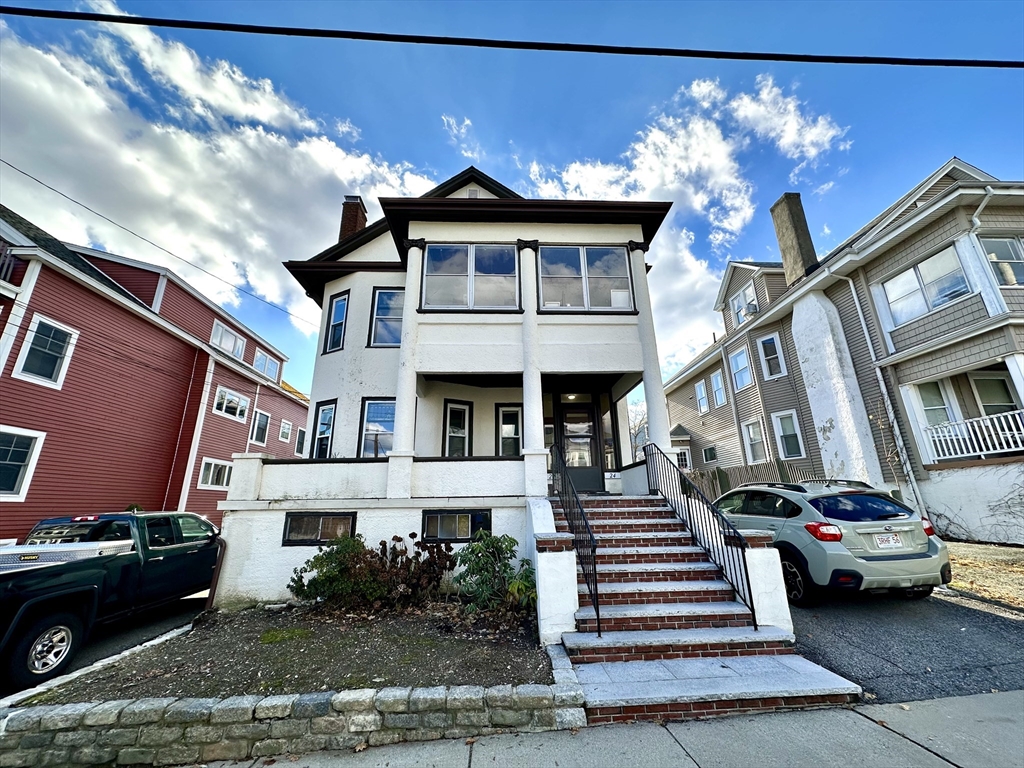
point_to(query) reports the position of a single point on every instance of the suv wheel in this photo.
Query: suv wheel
(45, 649)
(800, 589)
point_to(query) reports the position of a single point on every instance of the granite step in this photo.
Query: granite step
(643, 539)
(640, 593)
(643, 617)
(630, 527)
(648, 572)
(650, 554)
(651, 645)
(679, 689)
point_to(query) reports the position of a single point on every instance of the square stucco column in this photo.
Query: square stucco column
(534, 453)
(654, 388)
(400, 459)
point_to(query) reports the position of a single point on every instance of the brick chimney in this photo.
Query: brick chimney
(798, 257)
(353, 216)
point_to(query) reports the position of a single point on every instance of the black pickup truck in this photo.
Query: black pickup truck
(72, 573)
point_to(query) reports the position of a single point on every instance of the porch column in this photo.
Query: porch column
(654, 388)
(1015, 365)
(534, 454)
(400, 459)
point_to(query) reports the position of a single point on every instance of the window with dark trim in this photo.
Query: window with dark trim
(386, 317)
(303, 529)
(260, 427)
(377, 430)
(458, 428)
(710, 454)
(334, 338)
(300, 442)
(508, 429)
(584, 278)
(323, 426)
(484, 276)
(455, 525)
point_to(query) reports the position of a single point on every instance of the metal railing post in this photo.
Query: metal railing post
(584, 541)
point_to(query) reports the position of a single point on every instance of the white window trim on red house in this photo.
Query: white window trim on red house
(240, 396)
(282, 435)
(211, 486)
(30, 468)
(26, 345)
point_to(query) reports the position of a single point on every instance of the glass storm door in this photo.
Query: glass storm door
(579, 442)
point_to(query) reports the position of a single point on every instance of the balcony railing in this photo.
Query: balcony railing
(977, 438)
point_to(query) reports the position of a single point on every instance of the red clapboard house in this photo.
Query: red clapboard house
(121, 385)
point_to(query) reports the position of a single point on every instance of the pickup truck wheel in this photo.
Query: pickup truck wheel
(45, 649)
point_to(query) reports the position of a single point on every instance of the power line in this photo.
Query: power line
(155, 245)
(515, 45)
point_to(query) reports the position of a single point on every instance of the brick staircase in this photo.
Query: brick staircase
(676, 643)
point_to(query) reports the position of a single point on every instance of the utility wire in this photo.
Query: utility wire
(155, 245)
(515, 45)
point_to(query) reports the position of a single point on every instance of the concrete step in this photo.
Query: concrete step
(634, 617)
(619, 555)
(679, 689)
(587, 647)
(647, 572)
(646, 593)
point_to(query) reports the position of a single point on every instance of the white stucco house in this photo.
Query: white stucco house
(462, 335)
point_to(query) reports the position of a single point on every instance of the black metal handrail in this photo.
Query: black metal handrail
(709, 527)
(584, 541)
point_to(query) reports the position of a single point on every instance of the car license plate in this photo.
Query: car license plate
(888, 540)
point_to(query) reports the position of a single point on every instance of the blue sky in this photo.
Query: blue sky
(235, 151)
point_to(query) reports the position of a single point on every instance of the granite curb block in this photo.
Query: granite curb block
(169, 731)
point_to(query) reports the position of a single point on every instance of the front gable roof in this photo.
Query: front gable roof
(730, 270)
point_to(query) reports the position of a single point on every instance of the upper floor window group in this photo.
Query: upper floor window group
(587, 278)
(926, 286)
(470, 277)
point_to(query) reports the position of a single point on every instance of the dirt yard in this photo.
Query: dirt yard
(262, 652)
(989, 571)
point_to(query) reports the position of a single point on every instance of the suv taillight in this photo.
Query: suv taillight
(824, 531)
(929, 529)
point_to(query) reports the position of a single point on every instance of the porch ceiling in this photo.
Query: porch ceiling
(487, 380)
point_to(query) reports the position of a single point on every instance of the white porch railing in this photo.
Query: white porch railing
(981, 437)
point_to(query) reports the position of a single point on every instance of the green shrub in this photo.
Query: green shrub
(490, 580)
(347, 575)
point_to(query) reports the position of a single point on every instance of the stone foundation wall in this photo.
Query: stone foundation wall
(179, 731)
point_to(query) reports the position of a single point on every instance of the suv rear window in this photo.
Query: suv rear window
(860, 507)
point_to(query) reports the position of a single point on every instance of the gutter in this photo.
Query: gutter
(890, 411)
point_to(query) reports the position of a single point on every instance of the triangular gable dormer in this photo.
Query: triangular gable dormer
(750, 267)
(952, 172)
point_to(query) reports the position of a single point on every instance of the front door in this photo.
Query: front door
(580, 445)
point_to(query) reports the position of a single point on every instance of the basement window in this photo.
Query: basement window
(455, 526)
(305, 530)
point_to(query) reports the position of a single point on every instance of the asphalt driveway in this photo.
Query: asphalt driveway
(903, 650)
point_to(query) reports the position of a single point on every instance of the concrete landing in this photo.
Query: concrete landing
(634, 683)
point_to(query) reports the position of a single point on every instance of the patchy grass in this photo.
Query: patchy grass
(277, 635)
(260, 652)
(989, 571)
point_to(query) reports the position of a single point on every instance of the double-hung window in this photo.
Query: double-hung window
(45, 353)
(458, 428)
(386, 323)
(470, 277)
(933, 402)
(718, 388)
(743, 304)
(229, 403)
(739, 364)
(787, 435)
(994, 393)
(510, 430)
(378, 428)
(19, 452)
(285, 435)
(215, 475)
(227, 340)
(773, 365)
(701, 391)
(323, 427)
(336, 322)
(266, 365)
(260, 427)
(300, 442)
(926, 286)
(753, 439)
(710, 454)
(1006, 255)
(587, 278)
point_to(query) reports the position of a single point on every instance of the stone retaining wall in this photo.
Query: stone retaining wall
(176, 731)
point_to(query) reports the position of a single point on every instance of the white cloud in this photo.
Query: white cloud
(825, 231)
(823, 188)
(213, 178)
(460, 136)
(707, 93)
(346, 129)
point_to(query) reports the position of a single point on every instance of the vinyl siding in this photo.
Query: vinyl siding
(957, 315)
(113, 428)
(968, 353)
(939, 186)
(775, 285)
(141, 283)
(788, 393)
(915, 247)
(748, 400)
(716, 427)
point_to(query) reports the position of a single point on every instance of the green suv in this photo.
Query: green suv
(841, 534)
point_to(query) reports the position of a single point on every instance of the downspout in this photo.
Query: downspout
(890, 411)
(975, 221)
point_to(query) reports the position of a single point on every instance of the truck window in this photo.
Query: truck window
(118, 530)
(193, 528)
(159, 532)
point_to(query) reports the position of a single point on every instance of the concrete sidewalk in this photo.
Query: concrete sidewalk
(986, 731)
